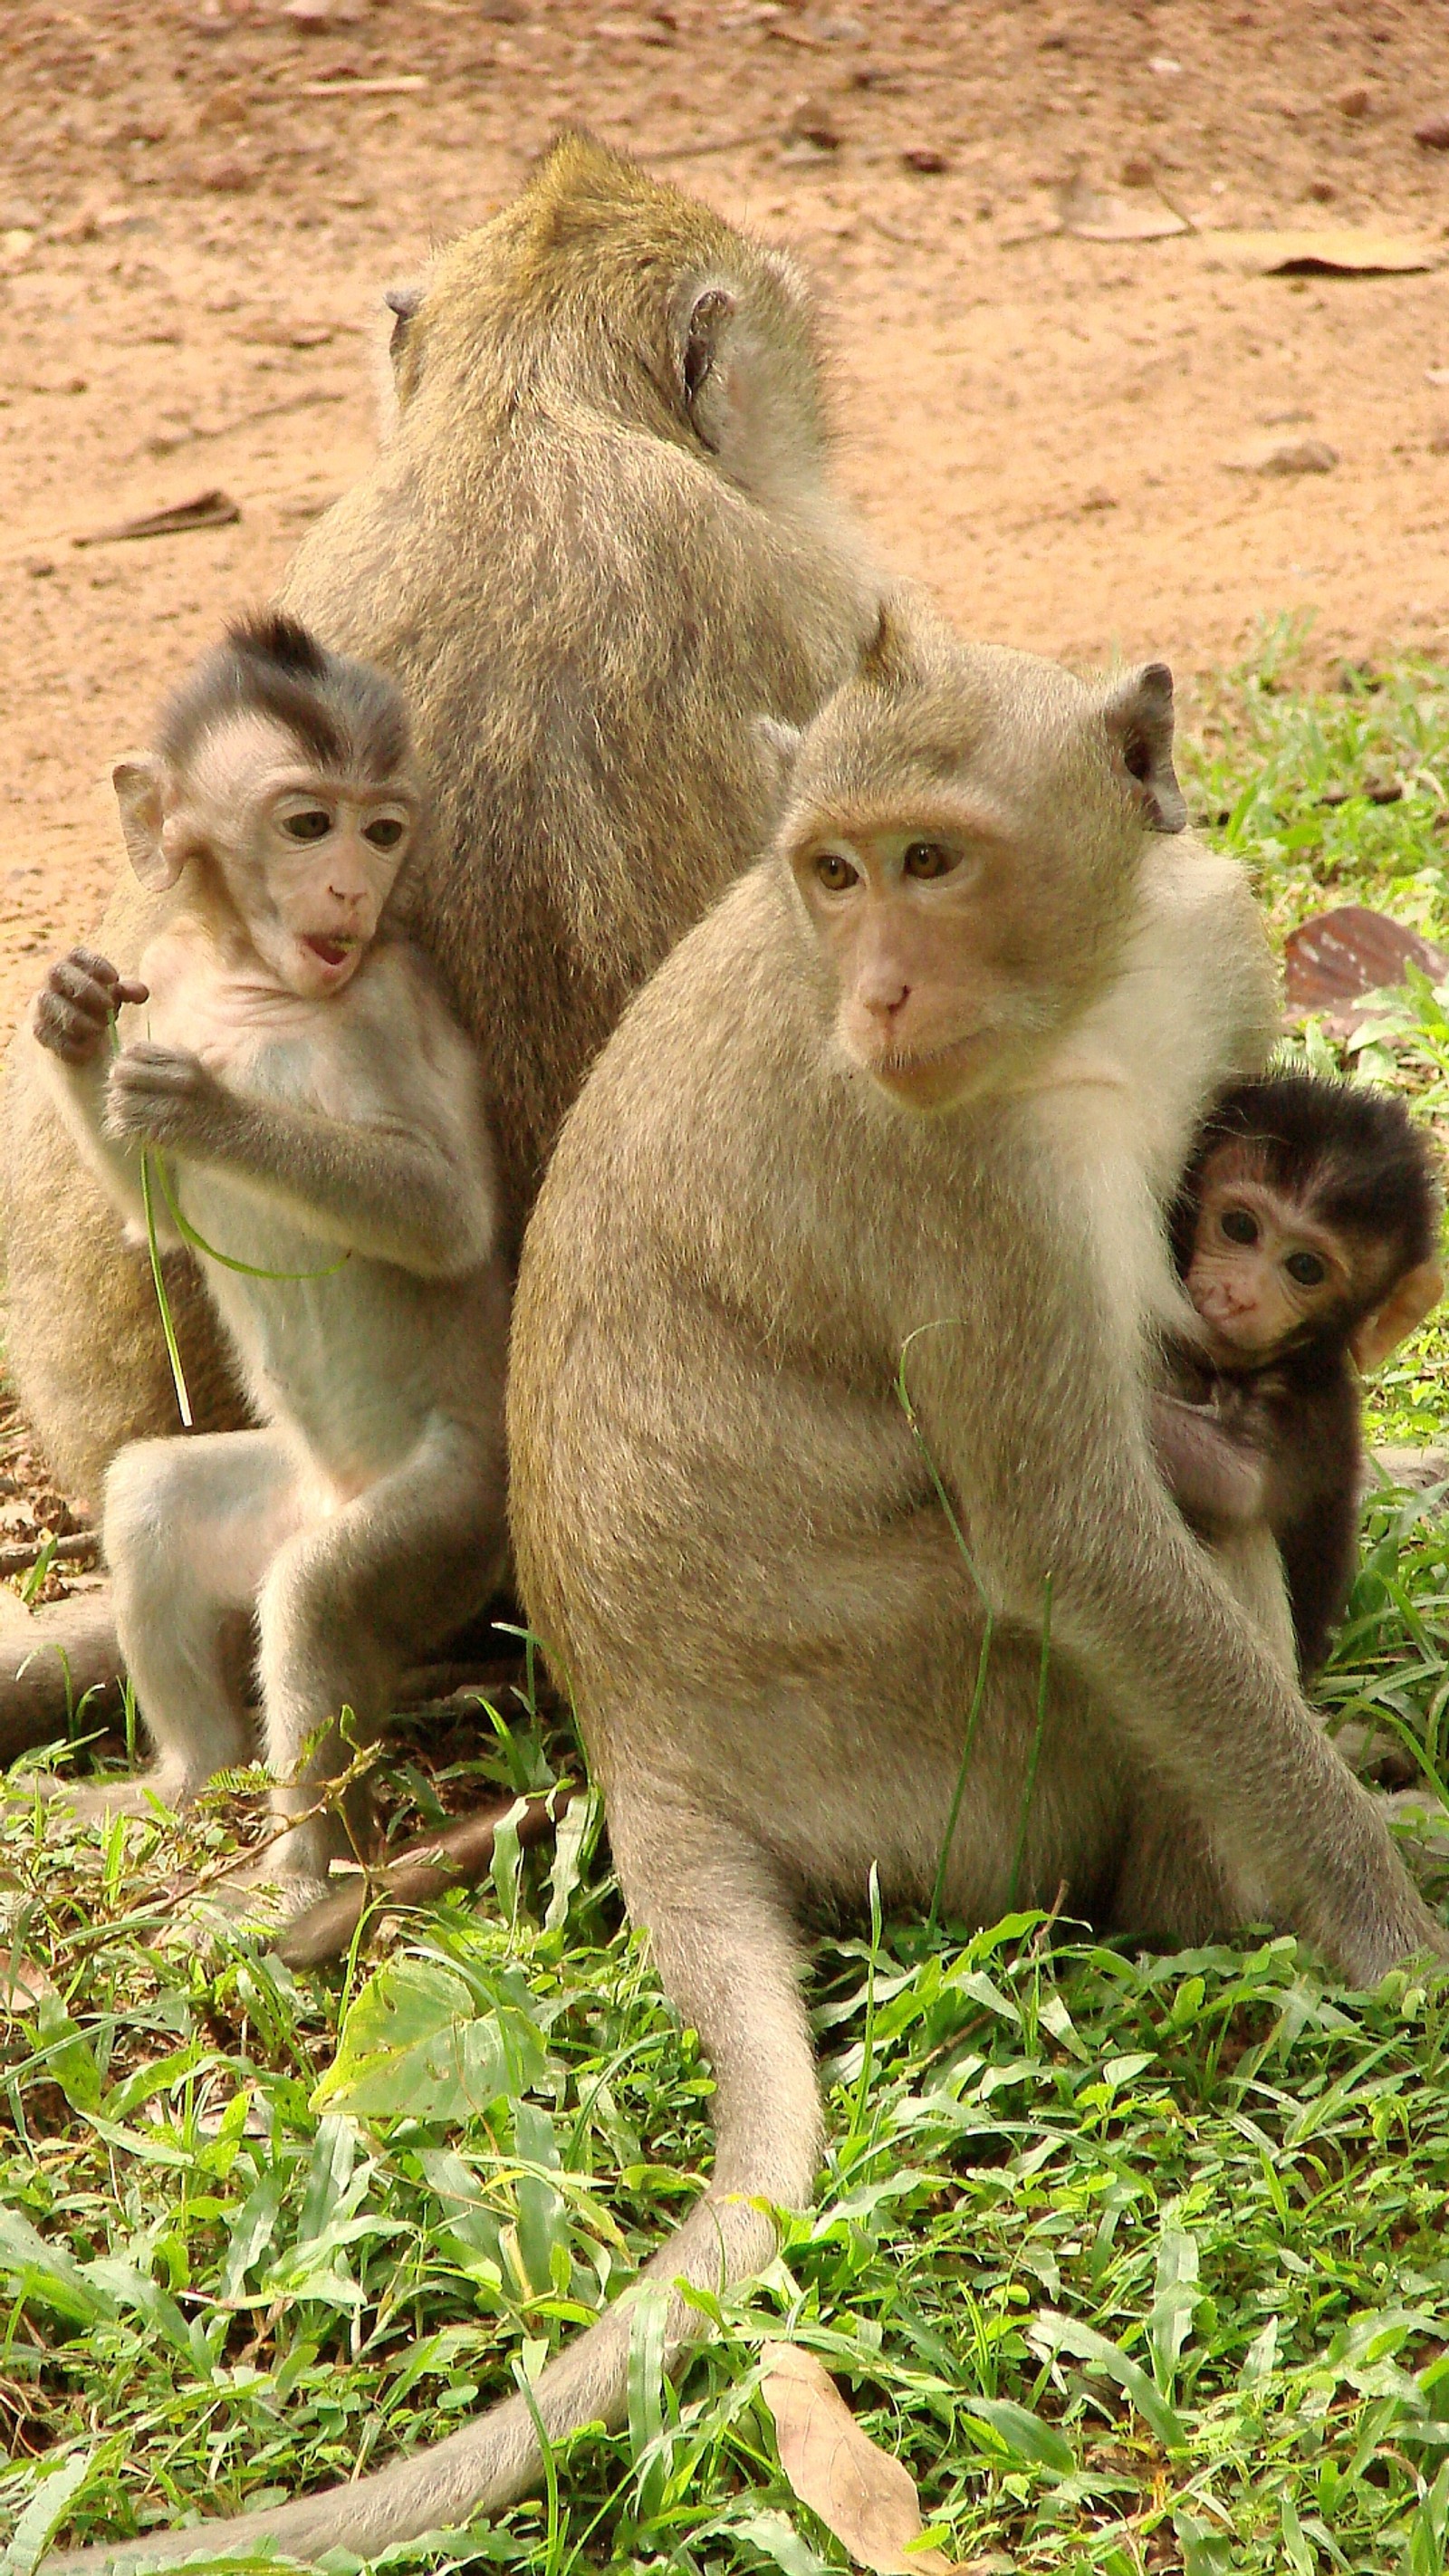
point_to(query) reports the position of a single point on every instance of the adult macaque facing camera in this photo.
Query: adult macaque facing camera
(599, 542)
(918, 1087)
(1306, 1233)
(287, 1084)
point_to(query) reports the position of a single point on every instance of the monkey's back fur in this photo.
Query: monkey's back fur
(587, 614)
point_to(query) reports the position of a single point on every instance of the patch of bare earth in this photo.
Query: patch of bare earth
(201, 203)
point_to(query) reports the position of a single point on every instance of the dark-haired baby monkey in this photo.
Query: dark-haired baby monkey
(1306, 1235)
(319, 1120)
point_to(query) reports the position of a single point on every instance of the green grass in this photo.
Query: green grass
(1139, 2265)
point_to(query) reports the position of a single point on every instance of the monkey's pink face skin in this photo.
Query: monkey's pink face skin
(913, 924)
(1262, 1270)
(309, 860)
(313, 873)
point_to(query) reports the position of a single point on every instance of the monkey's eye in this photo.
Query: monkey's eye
(926, 859)
(1306, 1268)
(1237, 1226)
(834, 872)
(385, 833)
(309, 823)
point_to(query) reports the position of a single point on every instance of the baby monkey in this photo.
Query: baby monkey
(297, 1089)
(1306, 1235)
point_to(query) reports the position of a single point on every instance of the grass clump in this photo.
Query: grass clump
(1139, 2264)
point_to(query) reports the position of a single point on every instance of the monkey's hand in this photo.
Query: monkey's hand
(77, 1003)
(159, 1095)
(1212, 1468)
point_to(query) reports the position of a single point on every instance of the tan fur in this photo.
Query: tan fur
(733, 1544)
(587, 607)
(288, 1082)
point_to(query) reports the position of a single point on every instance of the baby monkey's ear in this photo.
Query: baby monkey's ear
(139, 782)
(1416, 1295)
(1139, 723)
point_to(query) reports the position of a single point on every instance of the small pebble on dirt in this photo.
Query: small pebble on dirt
(928, 158)
(1353, 102)
(1285, 456)
(1138, 170)
(39, 567)
(813, 121)
(1322, 191)
(223, 175)
(1433, 133)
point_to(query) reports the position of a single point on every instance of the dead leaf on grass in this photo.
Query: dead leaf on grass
(1333, 959)
(23, 1985)
(861, 2494)
(209, 510)
(1083, 210)
(1328, 250)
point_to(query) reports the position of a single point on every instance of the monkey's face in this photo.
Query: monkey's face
(920, 926)
(302, 860)
(1265, 1272)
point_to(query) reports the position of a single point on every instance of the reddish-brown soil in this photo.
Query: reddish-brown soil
(200, 204)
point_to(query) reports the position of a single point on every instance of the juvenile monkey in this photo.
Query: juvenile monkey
(1305, 1233)
(919, 1085)
(598, 544)
(288, 1077)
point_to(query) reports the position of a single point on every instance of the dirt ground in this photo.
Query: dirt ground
(202, 200)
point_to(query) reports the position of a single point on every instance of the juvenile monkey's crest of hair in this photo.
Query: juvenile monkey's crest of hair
(346, 716)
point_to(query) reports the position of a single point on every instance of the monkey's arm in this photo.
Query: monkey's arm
(1061, 1492)
(1214, 1476)
(394, 1189)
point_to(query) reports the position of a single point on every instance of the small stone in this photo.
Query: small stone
(1354, 102)
(1138, 170)
(224, 175)
(813, 121)
(1322, 191)
(1433, 134)
(928, 158)
(1285, 456)
(39, 567)
(1098, 499)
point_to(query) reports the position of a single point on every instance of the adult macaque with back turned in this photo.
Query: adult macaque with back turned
(1306, 1233)
(288, 1083)
(919, 1085)
(597, 545)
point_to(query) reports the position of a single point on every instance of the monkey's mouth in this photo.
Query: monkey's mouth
(333, 952)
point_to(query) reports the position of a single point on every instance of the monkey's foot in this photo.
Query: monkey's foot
(260, 1900)
(148, 1794)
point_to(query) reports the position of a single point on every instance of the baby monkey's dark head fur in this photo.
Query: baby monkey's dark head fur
(347, 716)
(1347, 1182)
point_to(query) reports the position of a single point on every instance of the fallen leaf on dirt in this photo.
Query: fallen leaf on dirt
(23, 1985)
(1284, 456)
(1332, 960)
(1332, 251)
(404, 85)
(1093, 217)
(861, 2494)
(208, 510)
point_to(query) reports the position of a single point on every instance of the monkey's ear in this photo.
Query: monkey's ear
(1139, 722)
(1417, 1295)
(139, 782)
(780, 741)
(404, 302)
(889, 659)
(705, 325)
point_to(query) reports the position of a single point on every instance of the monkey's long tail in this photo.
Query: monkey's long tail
(767, 2149)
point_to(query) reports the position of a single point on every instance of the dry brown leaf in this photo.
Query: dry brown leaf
(1334, 958)
(1330, 249)
(1093, 217)
(23, 1985)
(861, 2494)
